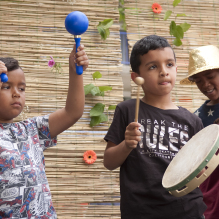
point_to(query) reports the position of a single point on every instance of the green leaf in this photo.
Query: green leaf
(96, 120)
(122, 14)
(107, 23)
(172, 27)
(185, 26)
(176, 30)
(122, 2)
(95, 91)
(177, 42)
(101, 93)
(102, 32)
(112, 107)
(96, 75)
(167, 14)
(88, 88)
(121, 17)
(181, 15)
(97, 109)
(107, 32)
(176, 2)
(103, 28)
(105, 88)
(124, 26)
(179, 32)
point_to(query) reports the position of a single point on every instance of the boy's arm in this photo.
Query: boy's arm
(115, 155)
(64, 118)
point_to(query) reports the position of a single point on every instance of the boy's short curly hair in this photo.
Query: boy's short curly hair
(10, 63)
(143, 46)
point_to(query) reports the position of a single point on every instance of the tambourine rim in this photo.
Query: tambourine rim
(197, 170)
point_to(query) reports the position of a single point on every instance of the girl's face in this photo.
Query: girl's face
(12, 96)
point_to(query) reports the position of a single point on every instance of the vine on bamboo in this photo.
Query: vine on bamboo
(97, 112)
(103, 28)
(54, 65)
(177, 31)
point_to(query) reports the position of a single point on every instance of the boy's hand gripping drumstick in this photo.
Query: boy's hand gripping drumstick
(139, 81)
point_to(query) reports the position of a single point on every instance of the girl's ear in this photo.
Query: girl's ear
(134, 75)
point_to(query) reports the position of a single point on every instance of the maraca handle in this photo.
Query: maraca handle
(79, 69)
(4, 77)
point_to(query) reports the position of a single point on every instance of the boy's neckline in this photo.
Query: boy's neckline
(177, 108)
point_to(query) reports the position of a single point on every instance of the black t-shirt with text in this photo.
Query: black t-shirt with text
(163, 133)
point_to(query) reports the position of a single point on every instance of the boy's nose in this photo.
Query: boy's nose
(15, 93)
(163, 73)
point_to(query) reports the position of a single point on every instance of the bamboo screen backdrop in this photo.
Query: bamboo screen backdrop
(32, 31)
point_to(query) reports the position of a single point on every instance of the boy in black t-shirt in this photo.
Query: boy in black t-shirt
(144, 149)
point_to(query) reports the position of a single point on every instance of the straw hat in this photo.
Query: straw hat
(201, 59)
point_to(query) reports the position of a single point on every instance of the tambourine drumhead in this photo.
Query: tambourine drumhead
(198, 153)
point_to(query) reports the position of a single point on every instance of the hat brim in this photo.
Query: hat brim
(186, 80)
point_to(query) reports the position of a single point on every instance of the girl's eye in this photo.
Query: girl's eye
(170, 64)
(152, 67)
(22, 89)
(5, 87)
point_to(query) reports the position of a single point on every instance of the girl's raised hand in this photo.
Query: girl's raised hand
(3, 69)
(79, 57)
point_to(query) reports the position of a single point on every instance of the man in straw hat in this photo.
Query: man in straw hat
(203, 70)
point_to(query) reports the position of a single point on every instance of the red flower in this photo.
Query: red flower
(89, 157)
(156, 8)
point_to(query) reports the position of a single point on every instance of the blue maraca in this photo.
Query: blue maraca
(4, 77)
(77, 23)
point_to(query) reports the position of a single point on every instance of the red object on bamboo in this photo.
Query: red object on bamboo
(157, 8)
(89, 157)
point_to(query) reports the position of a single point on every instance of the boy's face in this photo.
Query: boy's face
(208, 84)
(158, 68)
(12, 96)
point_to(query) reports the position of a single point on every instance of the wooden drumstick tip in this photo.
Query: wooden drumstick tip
(139, 80)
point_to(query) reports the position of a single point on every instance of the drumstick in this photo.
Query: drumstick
(139, 81)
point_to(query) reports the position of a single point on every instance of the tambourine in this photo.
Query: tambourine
(194, 163)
